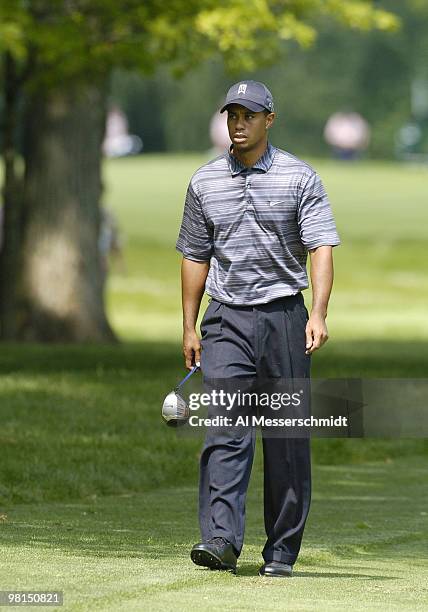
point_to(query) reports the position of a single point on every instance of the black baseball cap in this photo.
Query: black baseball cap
(251, 94)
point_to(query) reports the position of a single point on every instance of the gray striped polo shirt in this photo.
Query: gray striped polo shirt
(255, 225)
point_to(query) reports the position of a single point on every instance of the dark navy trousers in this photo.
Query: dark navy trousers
(247, 344)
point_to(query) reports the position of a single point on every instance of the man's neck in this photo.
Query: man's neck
(248, 159)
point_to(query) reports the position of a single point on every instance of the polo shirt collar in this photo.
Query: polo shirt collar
(263, 163)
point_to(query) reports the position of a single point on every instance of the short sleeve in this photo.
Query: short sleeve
(195, 239)
(315, 217)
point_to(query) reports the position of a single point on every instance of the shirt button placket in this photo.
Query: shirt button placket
(248, 200)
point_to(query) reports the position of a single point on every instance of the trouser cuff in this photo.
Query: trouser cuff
(280, 557)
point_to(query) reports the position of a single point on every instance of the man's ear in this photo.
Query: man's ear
(269, 120)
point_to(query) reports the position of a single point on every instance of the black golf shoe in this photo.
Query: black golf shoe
(217, 554)
(276, 569)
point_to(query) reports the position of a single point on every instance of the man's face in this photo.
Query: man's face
(247, 129)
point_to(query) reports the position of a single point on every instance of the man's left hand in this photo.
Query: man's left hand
(316, 333)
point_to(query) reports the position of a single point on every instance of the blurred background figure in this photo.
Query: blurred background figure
(411, 141)
(219, 133)
(408, 139)
(348, 134)
(117, 141)
(110, 243)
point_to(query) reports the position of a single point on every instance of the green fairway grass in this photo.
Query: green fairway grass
(364, 548)
(98, 497)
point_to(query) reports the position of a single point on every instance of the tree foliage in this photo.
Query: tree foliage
(69, 38)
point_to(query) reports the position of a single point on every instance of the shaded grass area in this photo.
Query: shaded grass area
(81, 421)
(364, 546)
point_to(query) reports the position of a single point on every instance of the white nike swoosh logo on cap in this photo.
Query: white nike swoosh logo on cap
(274, 203)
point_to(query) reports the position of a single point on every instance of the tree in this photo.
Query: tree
(57, 55)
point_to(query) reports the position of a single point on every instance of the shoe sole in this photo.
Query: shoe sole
(206, 559)
(275, 575)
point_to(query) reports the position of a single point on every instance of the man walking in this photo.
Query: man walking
(250, 218)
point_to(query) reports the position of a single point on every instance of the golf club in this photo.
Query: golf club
(175, 411)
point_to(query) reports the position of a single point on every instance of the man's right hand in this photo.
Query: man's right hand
(191, 349)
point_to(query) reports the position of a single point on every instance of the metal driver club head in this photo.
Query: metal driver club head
(175, 411)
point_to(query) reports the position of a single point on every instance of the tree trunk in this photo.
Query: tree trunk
(12, 203)
(61, 281)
